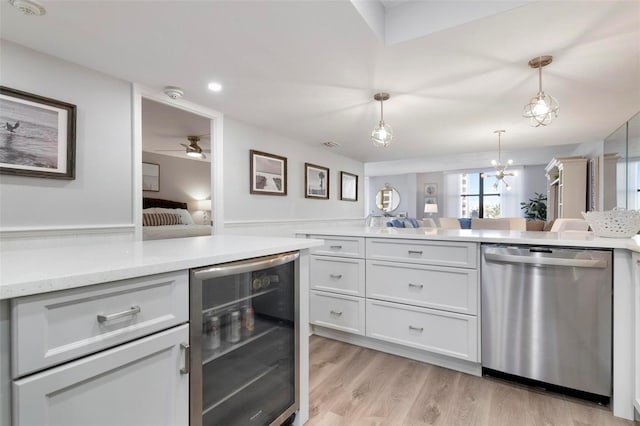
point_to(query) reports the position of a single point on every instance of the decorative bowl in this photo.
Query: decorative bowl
(616, 223)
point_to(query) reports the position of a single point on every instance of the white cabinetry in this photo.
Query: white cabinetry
(424, 294)
(337, 281)
(567, 187)
(636, 348)
(406, 296)
(109, 354)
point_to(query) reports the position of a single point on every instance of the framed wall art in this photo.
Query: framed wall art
(348, 186)
(268, 173)
(150, 177)
(430, 189)
(37, 135)
(316, 181)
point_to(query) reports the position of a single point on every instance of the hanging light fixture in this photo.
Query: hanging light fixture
(383, 133)
(542, 109)
(501, 169)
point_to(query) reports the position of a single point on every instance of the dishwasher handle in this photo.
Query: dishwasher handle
(245, 266)
(546, 261)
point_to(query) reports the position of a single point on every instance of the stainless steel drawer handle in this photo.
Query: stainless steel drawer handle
(420, 329)
(335, 247)
(336, 276)
(134, 310)
(187, 358)
(415, 251)
(416, 285)
(336, 313)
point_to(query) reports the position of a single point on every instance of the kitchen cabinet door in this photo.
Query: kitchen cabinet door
(138, 383)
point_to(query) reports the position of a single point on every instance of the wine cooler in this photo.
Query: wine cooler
(244, 342)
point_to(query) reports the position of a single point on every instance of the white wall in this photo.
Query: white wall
(101, 194)
(181, 179)
(243, 210)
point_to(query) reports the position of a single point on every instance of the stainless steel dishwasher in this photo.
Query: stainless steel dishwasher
(547, 315)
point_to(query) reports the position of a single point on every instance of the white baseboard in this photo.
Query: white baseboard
(472, 368)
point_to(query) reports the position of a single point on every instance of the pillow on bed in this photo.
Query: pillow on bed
(185, 217)
(160, 219)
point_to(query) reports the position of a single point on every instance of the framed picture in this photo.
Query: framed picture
(348, 186)
(430, 189)
(150, 177)
(37, 135)
(316, 181)
(268, 173)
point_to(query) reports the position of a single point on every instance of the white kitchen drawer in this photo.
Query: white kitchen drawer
(338, 275)
(446, 333)
(51, 328)
(344, 313)
(339, 246)
(138, 383)
(450, 289)
(444, 253)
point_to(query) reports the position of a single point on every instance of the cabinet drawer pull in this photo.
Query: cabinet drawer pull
(134, 310)
(420, 329)
(416, 285)
(336, 313)
(187, 358)
(336, 276)
(415, 251)
(335, 247)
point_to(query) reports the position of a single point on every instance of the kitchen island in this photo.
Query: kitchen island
(62, 284)
(357, 296)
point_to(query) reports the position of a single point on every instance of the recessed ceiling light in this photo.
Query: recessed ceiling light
(28, 7)
(215, 87)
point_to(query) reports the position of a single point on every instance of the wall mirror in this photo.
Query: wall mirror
(388, 199)
(622, 166)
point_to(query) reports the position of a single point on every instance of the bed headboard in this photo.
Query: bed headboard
(148, 203)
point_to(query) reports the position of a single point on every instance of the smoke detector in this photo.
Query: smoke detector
(28, 7)
(173, 92)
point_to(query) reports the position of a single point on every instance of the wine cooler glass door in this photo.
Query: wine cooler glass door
(244, 342)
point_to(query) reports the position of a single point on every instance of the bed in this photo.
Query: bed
(169, 219)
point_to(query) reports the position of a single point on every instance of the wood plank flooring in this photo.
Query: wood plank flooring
(354, 386)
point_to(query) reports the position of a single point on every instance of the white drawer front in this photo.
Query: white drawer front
(339, 275)
(339, 246)
(345, 313)
(52, 328)
(450, 334)
(444, 253)
(450, 289)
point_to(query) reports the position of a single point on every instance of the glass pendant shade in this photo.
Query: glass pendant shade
(382, 134)
(542, 109)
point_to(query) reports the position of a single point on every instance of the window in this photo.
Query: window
(478, 198)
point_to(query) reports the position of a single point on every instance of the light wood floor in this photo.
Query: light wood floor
(350, 385)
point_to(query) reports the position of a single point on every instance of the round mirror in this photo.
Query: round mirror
(388, 199)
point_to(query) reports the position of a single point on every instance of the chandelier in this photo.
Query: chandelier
(542, 109)
(383, 133)
(501, 169)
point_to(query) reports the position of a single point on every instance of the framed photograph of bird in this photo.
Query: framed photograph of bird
(37, 135)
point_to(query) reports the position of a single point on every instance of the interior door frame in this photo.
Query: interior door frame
(216, 129)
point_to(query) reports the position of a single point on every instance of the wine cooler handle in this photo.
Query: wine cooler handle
(187, 358)
(245, 266)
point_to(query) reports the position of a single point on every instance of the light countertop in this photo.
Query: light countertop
(567, 238)
(40, 270)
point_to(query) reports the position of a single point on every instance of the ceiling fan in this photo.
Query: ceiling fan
(193, 149)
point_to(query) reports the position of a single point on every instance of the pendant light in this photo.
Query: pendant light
(501, 169)
(383, 133)
(542, 109)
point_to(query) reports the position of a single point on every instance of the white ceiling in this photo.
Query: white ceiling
(308, 69)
